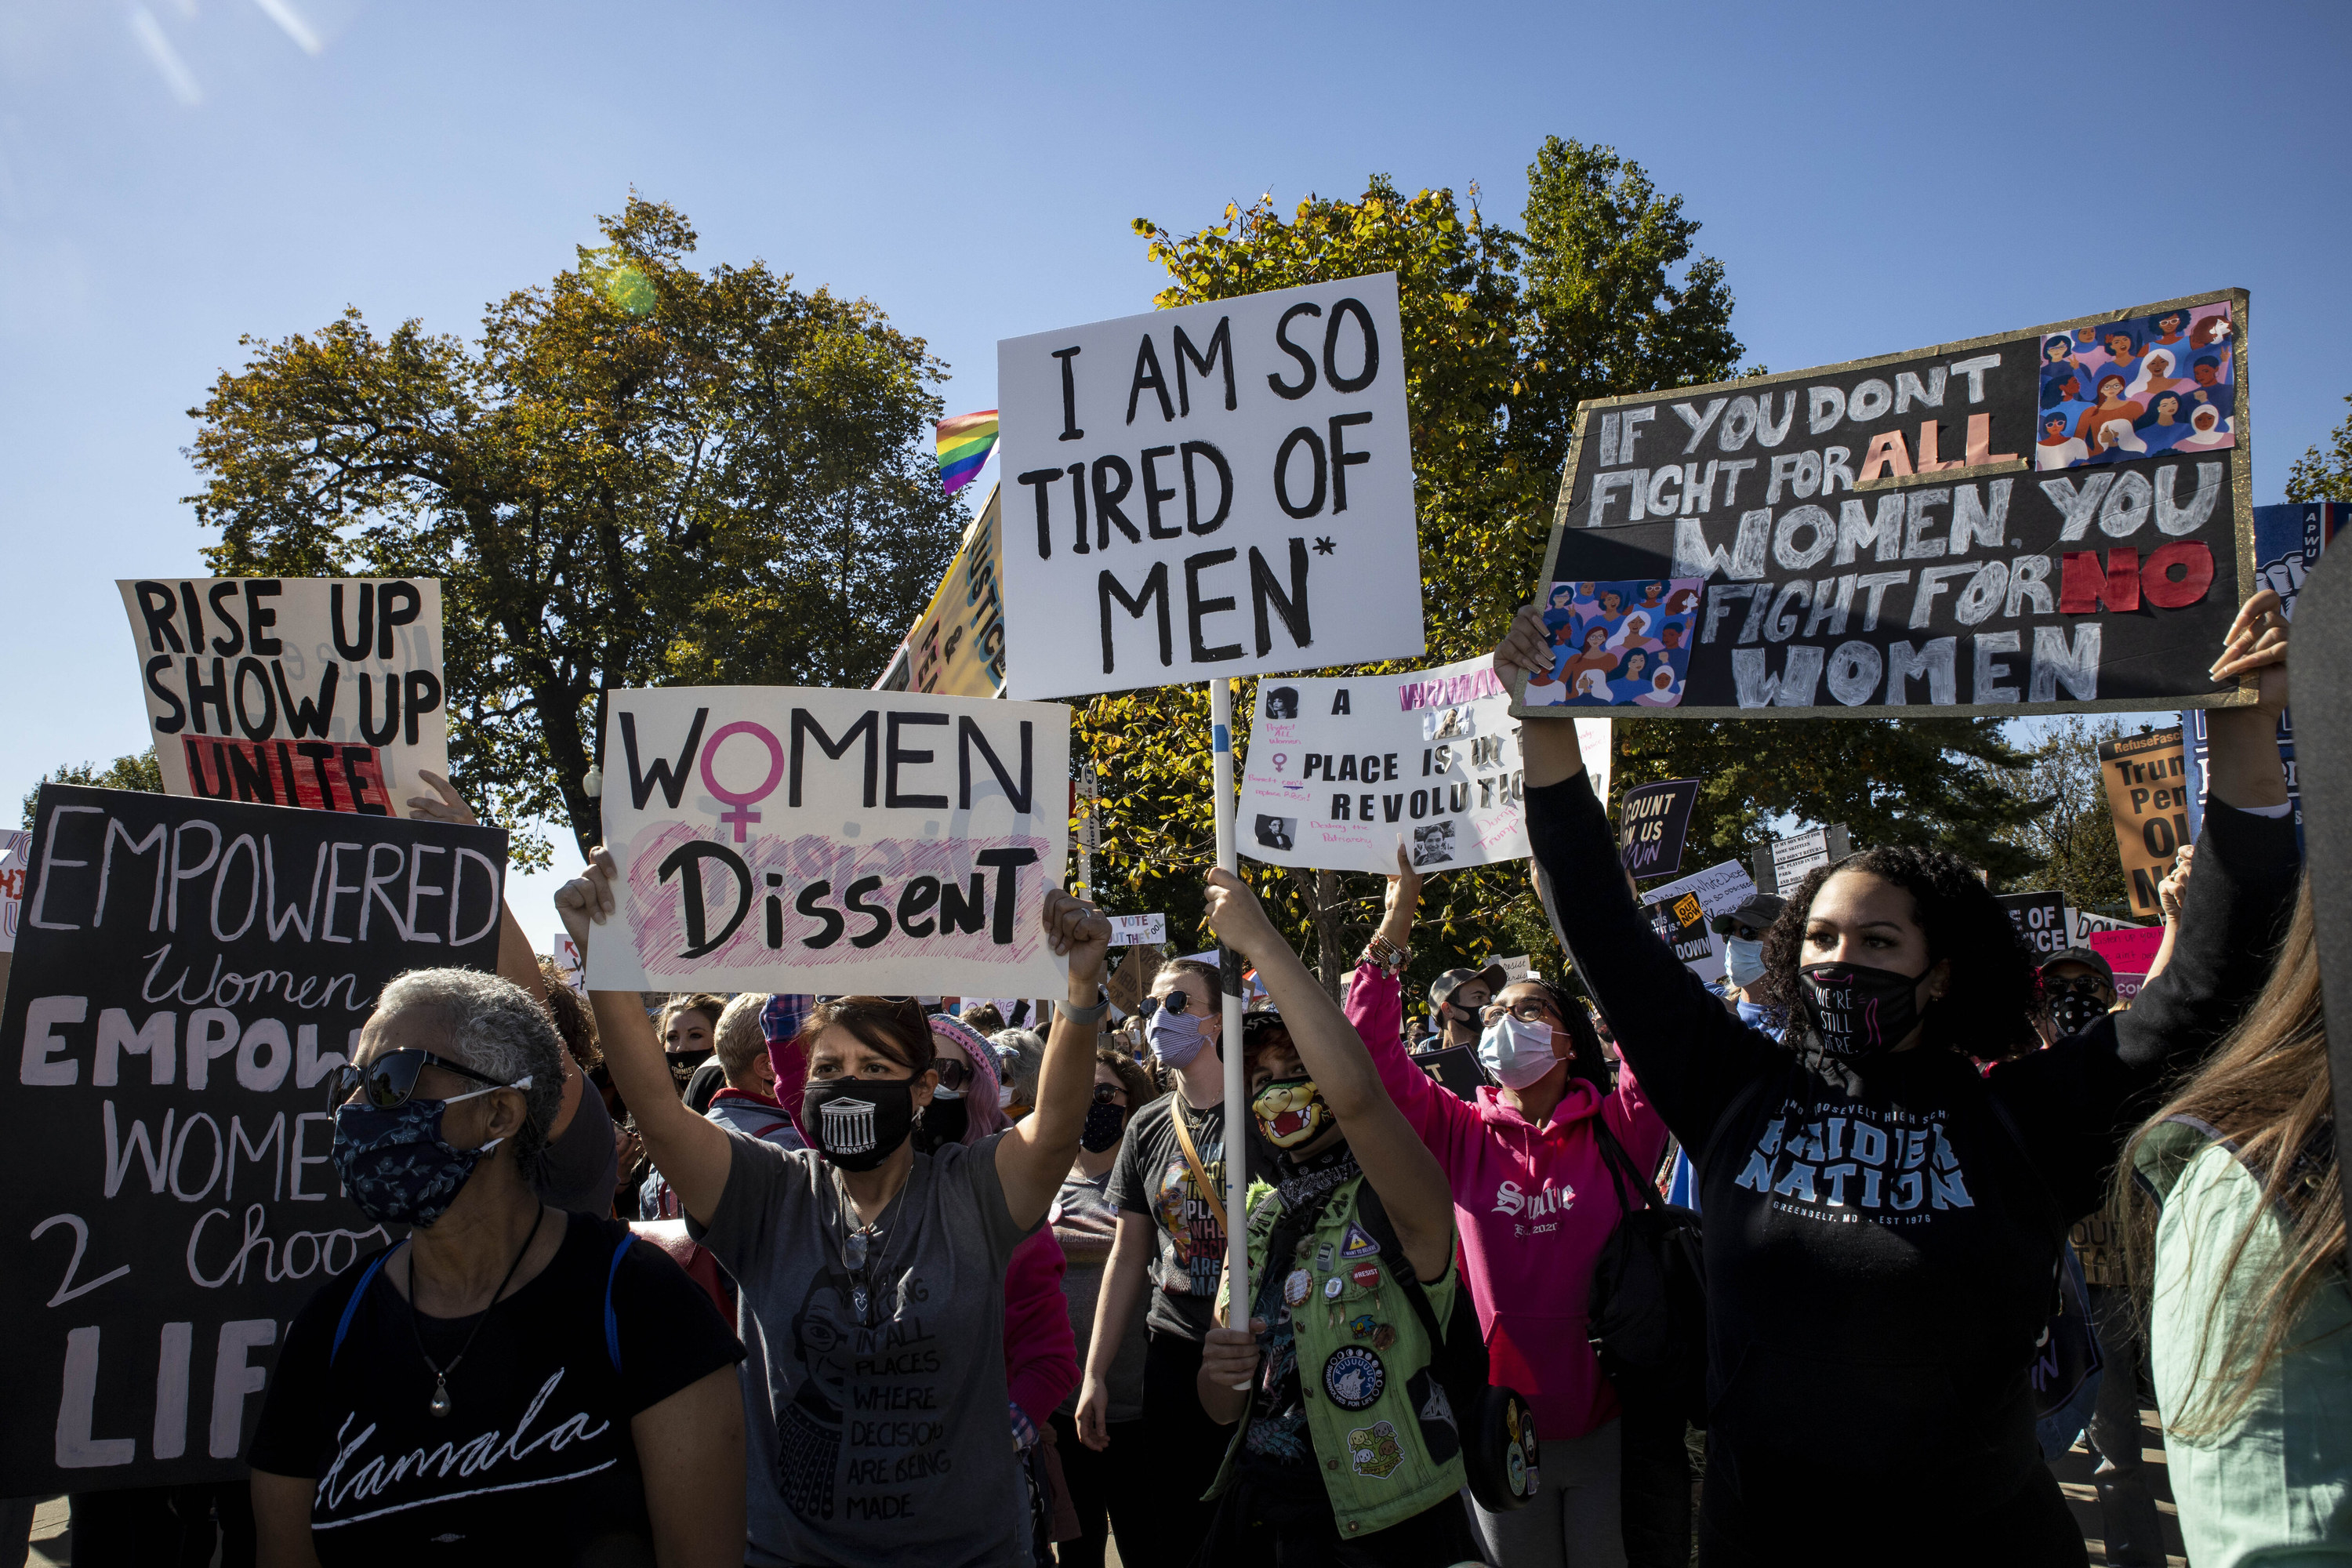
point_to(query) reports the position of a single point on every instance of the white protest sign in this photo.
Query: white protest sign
(794, 839)
(1793, 857)
(1682, 909)
(15, 853)
(1137, 930)
(568, 965)
(1340, 767)
(1517, 969)
(1220, 489)
(323, 692)
(2081, 924)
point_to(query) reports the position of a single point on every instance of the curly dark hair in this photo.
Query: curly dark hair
(1989, 1009)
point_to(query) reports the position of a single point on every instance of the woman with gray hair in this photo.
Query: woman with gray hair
(535, 1384)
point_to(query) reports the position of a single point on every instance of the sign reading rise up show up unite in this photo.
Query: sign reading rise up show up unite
(2049, 519)
(1220, 489)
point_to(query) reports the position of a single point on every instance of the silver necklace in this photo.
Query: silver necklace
(853, 1244)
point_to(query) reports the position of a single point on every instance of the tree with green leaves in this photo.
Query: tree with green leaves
(638, 474)
(2325, 476)
(2070, 842)
(141, 772)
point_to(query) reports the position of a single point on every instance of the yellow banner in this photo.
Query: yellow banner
(957, 645)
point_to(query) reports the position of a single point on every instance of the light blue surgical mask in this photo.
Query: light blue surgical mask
(1175, 1038)
(1743, 961)
(1515, 1052)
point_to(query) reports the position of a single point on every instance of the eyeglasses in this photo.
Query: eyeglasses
(1526, 1010)
(390, 1079)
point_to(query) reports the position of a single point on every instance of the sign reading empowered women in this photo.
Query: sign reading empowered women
(785, 838)
(1218, 490)
(2055, 519)
(188, 973)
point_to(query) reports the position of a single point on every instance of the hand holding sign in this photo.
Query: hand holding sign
(1237, 917)
(2257, 641)
(1081, 934)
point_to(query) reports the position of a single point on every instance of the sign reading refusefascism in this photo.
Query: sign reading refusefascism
(1218, 490)
(2050, 520)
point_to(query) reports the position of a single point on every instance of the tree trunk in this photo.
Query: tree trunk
(1321, 892)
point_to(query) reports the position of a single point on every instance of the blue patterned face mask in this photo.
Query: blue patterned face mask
(1175, 1037)
(394, 1163)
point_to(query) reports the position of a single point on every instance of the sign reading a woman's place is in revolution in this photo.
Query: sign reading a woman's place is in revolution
(2050, 520)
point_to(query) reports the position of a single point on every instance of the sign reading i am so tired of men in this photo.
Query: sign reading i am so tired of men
(188, 974)
(2050, 520)
(788, 838)
(1218, 490)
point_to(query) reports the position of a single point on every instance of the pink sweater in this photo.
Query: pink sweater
(1533, 1201)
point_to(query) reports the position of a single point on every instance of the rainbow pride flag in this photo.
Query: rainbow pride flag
(965, 442)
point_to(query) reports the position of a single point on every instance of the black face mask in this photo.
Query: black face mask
(689, 1059)
(858, 1122)
(1105, 1121)
(943, 1122)
(1860, 1012)
(2074, 1012)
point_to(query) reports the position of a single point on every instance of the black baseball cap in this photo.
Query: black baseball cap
(1441, 989)
(1756, 912)
(2088, 958)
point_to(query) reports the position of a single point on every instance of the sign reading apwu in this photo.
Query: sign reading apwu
(1340, 767)
(785, 838)
(1220, 489)
(313, 691)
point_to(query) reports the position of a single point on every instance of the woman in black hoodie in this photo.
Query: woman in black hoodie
(1884, 1221)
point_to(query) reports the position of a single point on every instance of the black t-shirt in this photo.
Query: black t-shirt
(534, 1463)
(1152, 1178)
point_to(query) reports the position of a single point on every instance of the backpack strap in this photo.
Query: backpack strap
(351, 1307)
(1375, 1219)
(612, 1321)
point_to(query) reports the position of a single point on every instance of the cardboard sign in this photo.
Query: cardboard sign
(1137, 930)
(1680, 911)
(2148, 796)
(188, 973)
(1517, 969)
(2045, 521)
(789, 838)
(322, 692)
(1221, 490)
(2129, 953)
(1340, 768)
(1652, 825)
(957, 645)
(15, 854)
(2041, 920)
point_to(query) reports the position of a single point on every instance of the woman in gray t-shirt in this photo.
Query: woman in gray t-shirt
(873, 1275)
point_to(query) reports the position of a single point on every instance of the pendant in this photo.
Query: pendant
(440, 1406)
(857, 1300)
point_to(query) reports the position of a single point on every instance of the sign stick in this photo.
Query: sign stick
(1220, 732)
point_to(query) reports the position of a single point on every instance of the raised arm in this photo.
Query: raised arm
(1376, 1007)
(1411, 1186)
(691, 1152)
(1033, 1158)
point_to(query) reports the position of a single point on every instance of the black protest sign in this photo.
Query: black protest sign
(1652, 825)
(1681, 924)
(187, 974)
(2039, 919)
(2050, 520)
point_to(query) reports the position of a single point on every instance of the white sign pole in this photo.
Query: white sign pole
(1221, 739)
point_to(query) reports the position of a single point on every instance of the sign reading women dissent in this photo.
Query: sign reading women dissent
(315, 691)
(187, 974)
(1220, 489)
(788, 838)
(1340, 768)
(2053, 520)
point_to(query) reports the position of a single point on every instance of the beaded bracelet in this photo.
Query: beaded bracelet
(1384, 955)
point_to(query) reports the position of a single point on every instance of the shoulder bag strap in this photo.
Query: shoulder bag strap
(1375, 1218)
(1193, 1163)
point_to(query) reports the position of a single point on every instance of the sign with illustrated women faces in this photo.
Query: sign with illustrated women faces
(798, 839)
(1218, 490)
(2057, 519)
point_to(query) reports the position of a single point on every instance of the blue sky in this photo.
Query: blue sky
(177, 173)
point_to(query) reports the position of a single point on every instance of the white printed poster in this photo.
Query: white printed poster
(1340, 768)
(1220, 489)
(1681, 910)
(323, 692)
(1137, 930)
(798, 839)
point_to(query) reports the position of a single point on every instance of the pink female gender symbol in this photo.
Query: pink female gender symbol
(742, 814)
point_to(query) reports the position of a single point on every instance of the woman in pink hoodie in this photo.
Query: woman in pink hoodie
(1534, 1201)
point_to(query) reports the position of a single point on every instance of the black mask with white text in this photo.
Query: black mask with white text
(1858, 1012)
(858, 1122)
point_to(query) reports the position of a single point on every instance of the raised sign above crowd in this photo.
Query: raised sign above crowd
(2048, 519)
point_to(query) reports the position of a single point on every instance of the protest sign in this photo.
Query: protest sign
(314, 691)
(1338, 768)
(1137, 930)
(187, 974)
(2039, 919)
(1680, 911)
(2147, 797)
(2049, 519)
(797, 840)
(16, 852)
(568, 964)
(1652, 825)
(957, 645)
(1220, 489)
(2081, 924)
(1517, 969)
(2128, 953)
(1785, 862)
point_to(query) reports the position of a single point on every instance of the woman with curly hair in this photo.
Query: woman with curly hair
(1883, 1221)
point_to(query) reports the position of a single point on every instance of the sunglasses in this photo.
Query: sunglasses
(955, 1074)
(1175, 1002)
(390, 1079)
(2079, 985)
(1107, 1093)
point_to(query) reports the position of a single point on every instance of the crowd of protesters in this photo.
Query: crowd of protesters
(797, 1280)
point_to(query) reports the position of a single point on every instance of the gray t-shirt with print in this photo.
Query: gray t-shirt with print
(889, 1440)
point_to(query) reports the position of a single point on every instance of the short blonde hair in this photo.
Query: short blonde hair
(739, 1039)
